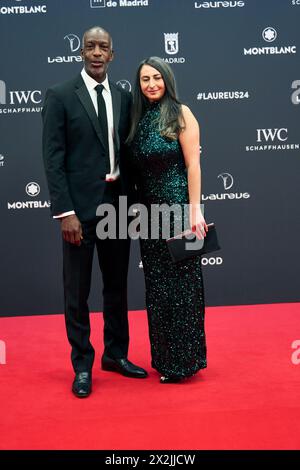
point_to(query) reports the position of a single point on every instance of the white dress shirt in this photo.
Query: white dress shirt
(90, 83)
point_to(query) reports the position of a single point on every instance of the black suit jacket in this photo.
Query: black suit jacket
(73, 148)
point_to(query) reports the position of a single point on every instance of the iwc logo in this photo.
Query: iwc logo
(19, 101)
(272, 139)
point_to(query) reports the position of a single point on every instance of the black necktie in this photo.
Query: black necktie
(102, 118)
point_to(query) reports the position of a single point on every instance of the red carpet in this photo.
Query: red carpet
(247, 398)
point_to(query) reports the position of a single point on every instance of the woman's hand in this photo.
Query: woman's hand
(197, 222)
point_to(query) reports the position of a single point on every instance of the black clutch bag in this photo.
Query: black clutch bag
(187, 245)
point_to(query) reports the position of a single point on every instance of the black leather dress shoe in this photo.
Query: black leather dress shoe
(124, 367)
(82, 385)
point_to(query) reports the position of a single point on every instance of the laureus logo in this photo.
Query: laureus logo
(220, 4)
(74, 42)
(125, 84)
(227, 180)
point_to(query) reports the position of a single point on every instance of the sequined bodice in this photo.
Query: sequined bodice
(159, 162)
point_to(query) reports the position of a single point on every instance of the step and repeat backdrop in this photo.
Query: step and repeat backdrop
(237, 65)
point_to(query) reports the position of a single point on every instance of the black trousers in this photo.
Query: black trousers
(113, 258)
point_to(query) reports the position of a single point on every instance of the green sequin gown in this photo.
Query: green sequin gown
(174, 292)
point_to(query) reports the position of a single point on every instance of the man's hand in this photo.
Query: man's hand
(71, 229)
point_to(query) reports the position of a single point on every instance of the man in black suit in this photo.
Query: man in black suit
(86, 123)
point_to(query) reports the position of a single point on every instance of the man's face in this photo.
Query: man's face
(97, 53)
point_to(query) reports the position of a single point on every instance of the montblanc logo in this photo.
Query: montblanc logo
(295, 97)
(272, 139)
(19, 101)
(125, 84)
(227, 181)
(269, 34)
(74, 43)
(32, 190)
(222, 95)
(171, 42)
(119, 3)
(21, 9)
(1, 160)
(228, 4)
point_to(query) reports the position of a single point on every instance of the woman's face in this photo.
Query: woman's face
(151, 83)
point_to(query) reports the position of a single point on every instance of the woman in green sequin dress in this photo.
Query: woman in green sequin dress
(164, 142)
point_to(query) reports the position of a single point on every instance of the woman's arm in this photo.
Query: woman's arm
(189, 139)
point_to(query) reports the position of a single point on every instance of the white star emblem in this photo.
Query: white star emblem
(32, 189)
(269, 34)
